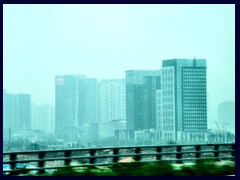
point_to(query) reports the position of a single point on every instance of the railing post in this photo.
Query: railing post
(67, 155)
(159, 156)
(198, 153)
(216, 153)
(115, 152)
(137, 151)
(13, 157)
(179, 155)
(92, 154)
(41, 163)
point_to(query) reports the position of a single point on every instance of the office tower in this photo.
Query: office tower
(226, 116)
(66, 103)
(23, 121)
(182, 100)
(89, 100)
(43, 118)
(88, 107)
(139, 95)
(112, 106)
(16, 112)
(8, 114)
(112, 100)
(76, 105)
(150, 85)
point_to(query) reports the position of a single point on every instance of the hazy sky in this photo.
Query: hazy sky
(102, 41)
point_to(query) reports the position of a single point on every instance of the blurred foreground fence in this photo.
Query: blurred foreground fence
(42, 161)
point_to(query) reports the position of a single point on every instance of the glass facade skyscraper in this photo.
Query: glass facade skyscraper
(16, 112)
(141, 86)
(66, 104)
(150, 85)
(182, 100)
(76, 103)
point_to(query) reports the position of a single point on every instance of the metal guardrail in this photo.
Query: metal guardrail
(112, 156)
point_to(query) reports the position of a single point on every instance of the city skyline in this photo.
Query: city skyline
(104, 41)
(172, 101)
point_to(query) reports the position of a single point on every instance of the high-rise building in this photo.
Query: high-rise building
(8, 114)
(76, 105)
(66, 104)
(112, 106)
(88, 107)
(141, 86)
(16, 112)
(89, 100)
(226, 116)
(23, 121)
(182, 100)
(112, 100)
(150, 85)
(43, 118)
